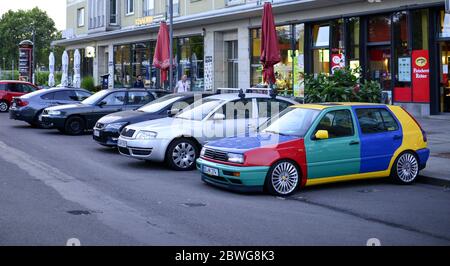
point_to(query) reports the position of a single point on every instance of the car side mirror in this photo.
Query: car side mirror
(219, 117)
(321, 134)
(102, 103)
(173, 112)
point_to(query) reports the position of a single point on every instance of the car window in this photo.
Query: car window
(139, 97)
(338, 124)
(82, 95)
(115, 98)
(28, 88)
(376, 120)
(2, 87)
(270, 107)
(66, 95)
(237, 109)
(48, 96)
(200, 109)
(12, 87)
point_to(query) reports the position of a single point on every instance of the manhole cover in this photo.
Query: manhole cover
(194, 205)
(445, 155)
(79, 212)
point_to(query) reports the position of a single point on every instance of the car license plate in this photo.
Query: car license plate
(210, 171)
(96, 133)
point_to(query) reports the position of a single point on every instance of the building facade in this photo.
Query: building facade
(404, 44)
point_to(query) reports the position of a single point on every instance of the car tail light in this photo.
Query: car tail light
(424, 134)
(21, 103)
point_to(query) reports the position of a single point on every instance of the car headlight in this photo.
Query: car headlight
(146, 135)
(53, 112)
(202, 152)
(115, 126)
(235, 158)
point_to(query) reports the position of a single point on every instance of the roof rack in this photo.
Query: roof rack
(268, 91)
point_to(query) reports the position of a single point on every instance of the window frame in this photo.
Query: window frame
(331, 111)
(382, 118)
(114, 92)
(128, 10)
(149, 95)
(81, 22)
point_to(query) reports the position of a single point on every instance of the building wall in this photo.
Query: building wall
(71, 20)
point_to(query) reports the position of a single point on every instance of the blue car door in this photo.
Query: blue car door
(380, 136)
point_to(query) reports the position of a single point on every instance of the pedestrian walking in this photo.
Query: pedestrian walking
(183, 85)
(139, 83)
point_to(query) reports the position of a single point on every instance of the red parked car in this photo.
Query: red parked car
(13, 88)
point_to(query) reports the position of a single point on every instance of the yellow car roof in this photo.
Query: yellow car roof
(321, 106)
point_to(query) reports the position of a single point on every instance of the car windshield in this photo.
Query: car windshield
(160, 103)
(291, 122)
(200, 109)
(95, 98)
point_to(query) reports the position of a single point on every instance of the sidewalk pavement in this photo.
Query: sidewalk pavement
(437, 171)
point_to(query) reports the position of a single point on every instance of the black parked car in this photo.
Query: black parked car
(108, 128)
(74, 119)
(29, 107)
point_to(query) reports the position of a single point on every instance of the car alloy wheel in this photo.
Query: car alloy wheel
(3, 107)
(74, 126)
(183, 155)
(284, 178)
(407, 167)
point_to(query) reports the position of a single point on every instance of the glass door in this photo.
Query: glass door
(444, 83)
(380, 69)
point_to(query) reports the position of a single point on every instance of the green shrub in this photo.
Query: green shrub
(42, 78)
(343, 86)
(88, 83)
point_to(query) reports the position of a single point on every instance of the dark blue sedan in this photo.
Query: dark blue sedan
(29, 107)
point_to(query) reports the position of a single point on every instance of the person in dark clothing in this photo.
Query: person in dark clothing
(139, 83)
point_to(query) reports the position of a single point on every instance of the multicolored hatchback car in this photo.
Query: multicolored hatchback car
(316, 144)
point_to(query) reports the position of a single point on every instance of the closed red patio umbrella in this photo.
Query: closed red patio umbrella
(161, 59)
(270, 52)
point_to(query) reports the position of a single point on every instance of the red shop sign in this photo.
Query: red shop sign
(421, 76)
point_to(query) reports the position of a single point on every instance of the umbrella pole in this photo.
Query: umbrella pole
(171, 44)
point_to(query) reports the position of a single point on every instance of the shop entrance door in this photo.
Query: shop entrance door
(380, 69)
(444, 82)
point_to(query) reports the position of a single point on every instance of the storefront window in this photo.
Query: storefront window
(402, 62)
(321, 35)
(420, 26)
(299, 60)
(353, 33)
(379, 29)
(142, 63)
(255, 64)
(189, 56)
(283, 70)
(379, 53)
(131, 60)
(321, 48)
(337, 45)
(445, 24)
(122, 66)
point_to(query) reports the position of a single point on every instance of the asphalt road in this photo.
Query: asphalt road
(55, 187)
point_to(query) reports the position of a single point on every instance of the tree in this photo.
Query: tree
(16, 26)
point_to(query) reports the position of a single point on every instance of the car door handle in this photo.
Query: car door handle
(397, 137)
(354, 142)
